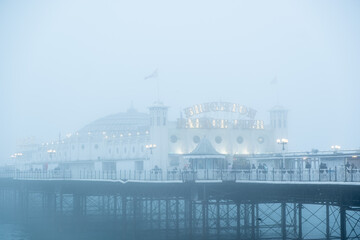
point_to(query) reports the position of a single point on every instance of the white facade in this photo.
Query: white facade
(137, 141)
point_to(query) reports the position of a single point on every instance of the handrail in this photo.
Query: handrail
(338, 174)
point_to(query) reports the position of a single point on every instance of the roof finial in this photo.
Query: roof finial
(131, 108)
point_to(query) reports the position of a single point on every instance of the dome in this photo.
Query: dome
(131, 120)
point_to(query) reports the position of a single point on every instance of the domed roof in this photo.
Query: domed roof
(131, 120)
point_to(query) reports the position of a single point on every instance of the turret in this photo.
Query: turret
(279, 123)
(158, 136)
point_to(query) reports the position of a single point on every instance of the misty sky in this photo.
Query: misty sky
(64, 64)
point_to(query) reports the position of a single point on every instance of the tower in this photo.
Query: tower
(158, 136)
(279, 123)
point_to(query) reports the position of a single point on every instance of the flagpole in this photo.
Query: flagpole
(158, 89)
(274, 83)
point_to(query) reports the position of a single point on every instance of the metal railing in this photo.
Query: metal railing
(339, 174)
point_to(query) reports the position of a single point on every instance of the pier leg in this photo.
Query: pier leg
(327, 222)
(253, 222)
(300, 221)
(217, 218)
(246, 220)
(238, 220)
(283, 220)
(257, 222)
(343, 222)
(295, 219)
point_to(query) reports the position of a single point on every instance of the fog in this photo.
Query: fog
(64, 64)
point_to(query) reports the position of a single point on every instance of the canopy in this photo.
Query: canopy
(204, 150)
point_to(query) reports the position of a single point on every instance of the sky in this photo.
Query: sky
(64, 64)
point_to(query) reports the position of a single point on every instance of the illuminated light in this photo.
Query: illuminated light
(354, 156)
(121, 135)
(245, 152)
(77, 134)
(129, 134)
(51, 151)
(17, 154)
(335, 147)
(150, 146)
(68, 135)
(114, 136)
(282, 141)
(138, 133)
(234, 108)
(103, 133)
(304, 158)
(147, 132)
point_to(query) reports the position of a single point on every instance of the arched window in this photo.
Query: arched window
(218, 139)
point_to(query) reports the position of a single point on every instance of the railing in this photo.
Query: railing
(339, 174)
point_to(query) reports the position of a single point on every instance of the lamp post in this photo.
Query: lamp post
(51, 152)
(151, 147)
(283, 142)
(335, 148)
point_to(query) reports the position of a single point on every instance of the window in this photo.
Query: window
(218, 139)
(82, 147)
(173, 139)
(96, 146)
(261, 140)
(196, 139)
(240, 140)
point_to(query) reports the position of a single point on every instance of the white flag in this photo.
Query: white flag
(153, 75)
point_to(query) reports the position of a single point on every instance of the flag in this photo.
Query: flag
(153, 75)
(274, 81)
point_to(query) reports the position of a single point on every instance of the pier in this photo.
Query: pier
(188, 205)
